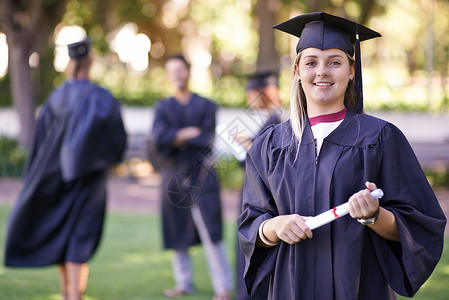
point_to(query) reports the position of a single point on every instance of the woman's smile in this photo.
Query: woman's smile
(323, 84)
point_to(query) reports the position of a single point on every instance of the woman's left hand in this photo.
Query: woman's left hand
(362, 205)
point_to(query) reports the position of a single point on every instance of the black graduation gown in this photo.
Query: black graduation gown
(344, 260)
(187, 178)
(59, 214)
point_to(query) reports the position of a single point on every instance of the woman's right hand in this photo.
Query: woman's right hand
(288, 228)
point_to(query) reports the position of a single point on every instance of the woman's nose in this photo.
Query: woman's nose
(322, 70)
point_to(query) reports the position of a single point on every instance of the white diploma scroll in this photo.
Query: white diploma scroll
(336, 212)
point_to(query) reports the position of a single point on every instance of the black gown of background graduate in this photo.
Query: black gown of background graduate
(187, 177)
(242, 294)
(59, 214)
(344, 260)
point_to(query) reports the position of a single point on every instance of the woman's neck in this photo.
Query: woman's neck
(319, 111)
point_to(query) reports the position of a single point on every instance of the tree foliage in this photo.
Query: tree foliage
(229, 38)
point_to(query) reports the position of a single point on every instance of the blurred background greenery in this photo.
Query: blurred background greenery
(12, 158)
(405, 69)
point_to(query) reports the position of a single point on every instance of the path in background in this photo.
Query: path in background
(129, 195)
(427, 133)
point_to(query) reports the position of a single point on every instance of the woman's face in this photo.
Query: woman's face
(324, 76)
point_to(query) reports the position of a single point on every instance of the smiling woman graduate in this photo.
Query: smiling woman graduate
(328, 152)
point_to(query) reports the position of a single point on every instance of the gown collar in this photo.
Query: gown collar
(328, 118)
(337, 136)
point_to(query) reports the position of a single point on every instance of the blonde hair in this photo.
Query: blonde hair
(298, 102)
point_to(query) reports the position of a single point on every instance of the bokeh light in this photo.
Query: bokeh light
(64, 36)
(131, 47)
(34, 60)
(3, 55)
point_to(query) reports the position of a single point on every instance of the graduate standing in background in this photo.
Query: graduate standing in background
(59, 215)
(328, 152)
(262, 94)
(183, 133)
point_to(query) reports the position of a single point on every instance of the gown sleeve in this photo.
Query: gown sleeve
(163, 130)
(258, 206)
(407, 264)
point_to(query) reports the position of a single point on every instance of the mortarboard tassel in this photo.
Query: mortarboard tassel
(358, 89)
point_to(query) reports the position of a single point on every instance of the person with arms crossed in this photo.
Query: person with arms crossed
(183, 133)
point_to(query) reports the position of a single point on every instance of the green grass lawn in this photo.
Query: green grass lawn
(131, 265)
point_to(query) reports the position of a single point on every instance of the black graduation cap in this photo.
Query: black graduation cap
(324, 31)
(262, 79)
(79, 49)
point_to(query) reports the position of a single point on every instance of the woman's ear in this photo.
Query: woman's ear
(296, 71)
(351, 73)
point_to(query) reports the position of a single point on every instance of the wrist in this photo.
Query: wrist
(263, 238)
(371, 220)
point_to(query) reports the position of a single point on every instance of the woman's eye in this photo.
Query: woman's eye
(310, 63)
(335, 63)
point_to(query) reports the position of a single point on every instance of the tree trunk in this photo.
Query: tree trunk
(22, 91)
(28, 25)
(268, 58)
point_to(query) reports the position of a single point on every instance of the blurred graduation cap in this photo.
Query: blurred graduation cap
(262, 79)
(79, 49)
(324, 31)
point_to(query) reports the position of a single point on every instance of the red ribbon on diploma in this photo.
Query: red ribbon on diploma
(334, 212)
